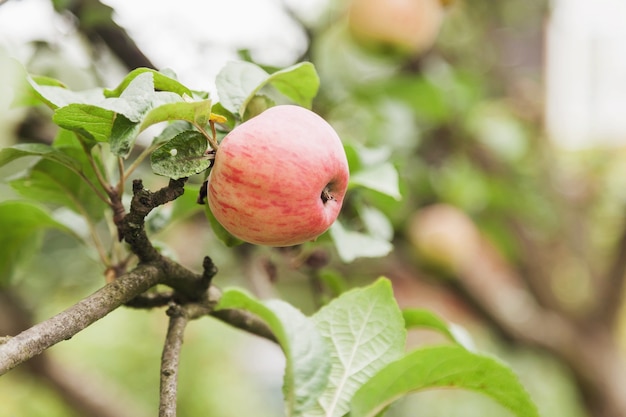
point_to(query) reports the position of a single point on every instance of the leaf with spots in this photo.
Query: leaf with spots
(183, 156)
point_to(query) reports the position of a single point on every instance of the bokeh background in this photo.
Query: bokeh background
(506, 129)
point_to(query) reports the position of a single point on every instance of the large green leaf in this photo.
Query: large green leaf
(307, 355)
(239, 82)
(21, 223)
(439, 367)
(183, 156)
(366, 331)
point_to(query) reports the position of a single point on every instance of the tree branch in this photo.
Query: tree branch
(612, 288)
(78, 390)
(594, 358)
(191, 289)
(66, 324)
(95, 20)
(170, 360)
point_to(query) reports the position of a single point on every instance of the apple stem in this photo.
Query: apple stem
(210, 138)
(326, 195)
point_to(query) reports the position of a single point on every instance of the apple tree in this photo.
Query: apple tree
(348, 357)
(324, 210)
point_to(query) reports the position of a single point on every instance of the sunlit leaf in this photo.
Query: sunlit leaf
(352, 245)
(162, 82)
(365, 330)
(426, 319)
(21, 224)
(49, 182)
(307, 354)
(191, 111)
(442, 367)
(38, 149)
(239, 82)
(376, 223)
(382, 178)
(54, 94)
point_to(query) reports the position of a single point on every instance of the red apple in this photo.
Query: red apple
(279, 179)
(408, 26)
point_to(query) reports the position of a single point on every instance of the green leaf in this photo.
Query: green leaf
(21, 224)
(352, 245)
(162, 82)
(54, 94)
(239, 82)
(88, 120)
(376, 223)
(308, 365)
(123, 134)
(439, 367)
(299, 82)
(365, 330)
(50, 182)
(38, 149)
(183, 156)
(171, 130)
(117, 120)
(197, 112)
(382, 178)
(421, 318)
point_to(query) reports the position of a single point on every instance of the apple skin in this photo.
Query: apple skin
(404, 26)
(279, 179)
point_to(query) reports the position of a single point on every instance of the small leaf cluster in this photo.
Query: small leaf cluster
(97, 149)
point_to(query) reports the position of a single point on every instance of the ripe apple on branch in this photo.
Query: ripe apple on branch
(279, 179)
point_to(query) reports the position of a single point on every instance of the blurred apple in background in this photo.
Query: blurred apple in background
(405, 26)
(279, 179)
(445, 237)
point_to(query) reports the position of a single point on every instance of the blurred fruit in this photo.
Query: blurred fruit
(406, 26)
(444, 237)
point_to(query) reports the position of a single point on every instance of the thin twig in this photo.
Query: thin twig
(122, 176)
(170, 360)
(210, 138)
(137, 162)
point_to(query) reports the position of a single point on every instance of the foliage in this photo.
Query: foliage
(337, 359)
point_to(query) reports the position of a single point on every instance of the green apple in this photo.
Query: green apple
(279, 179)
